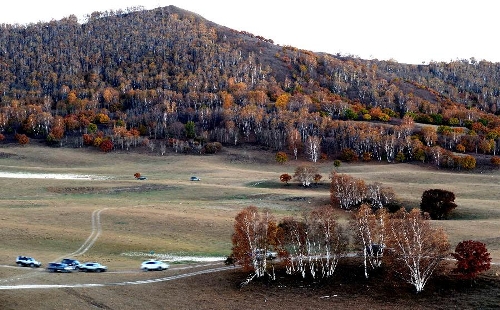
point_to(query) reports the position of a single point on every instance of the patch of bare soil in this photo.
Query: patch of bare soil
(113, 190)
(7, 155)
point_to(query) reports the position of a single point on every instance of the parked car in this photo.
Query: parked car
(259, 253)
(27, 261)
(154, 265)
(71, 262)
(59, 267)
(194, 178)
(93, 267)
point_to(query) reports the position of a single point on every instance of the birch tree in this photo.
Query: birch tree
(346, 191)
(254, 235)
(312, 246)
(292, 238)
(325, 242)
(305, 174)
(294, 141)
(417, 248)
(313, 148)
(370, 234)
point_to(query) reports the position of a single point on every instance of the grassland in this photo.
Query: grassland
(168, 214)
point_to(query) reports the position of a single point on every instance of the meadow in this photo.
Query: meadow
(167, 214)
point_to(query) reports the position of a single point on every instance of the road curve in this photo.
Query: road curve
(87, 285)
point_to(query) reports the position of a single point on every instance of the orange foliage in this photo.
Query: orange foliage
(106, 145)
(22, 139)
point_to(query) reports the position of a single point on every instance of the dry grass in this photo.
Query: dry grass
(167, 213)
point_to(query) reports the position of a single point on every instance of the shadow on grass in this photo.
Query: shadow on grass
(469, 215)
(273, 184)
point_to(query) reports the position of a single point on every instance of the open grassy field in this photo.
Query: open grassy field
(168, 214)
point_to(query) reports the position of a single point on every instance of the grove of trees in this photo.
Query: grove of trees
(403, 242)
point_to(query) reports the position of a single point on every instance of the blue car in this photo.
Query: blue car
(59, 267)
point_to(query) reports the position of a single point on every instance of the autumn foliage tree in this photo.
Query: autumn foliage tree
(22, 138)
(468, 162)
(348, 155)
(106, 145)
(285, 178)
(495, 161)
(472, 258)
(254, 235)
(281, 157)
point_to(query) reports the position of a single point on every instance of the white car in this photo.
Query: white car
(154, 265)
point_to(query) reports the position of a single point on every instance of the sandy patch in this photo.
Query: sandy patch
(57, 176)
(174, 258)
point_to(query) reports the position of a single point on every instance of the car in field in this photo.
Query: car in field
(25, 261)
(259, 254)
(72, 262)
(195, 178)
(93, 267)
(154, 265)
(59, 267)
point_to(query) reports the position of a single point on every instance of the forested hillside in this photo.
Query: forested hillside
(168, 78)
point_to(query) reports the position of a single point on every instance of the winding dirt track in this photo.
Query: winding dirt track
(94, 235)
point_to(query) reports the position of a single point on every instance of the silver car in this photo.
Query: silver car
(94, 267)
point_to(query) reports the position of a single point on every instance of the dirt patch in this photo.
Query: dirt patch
(9, 155)
(113, 190)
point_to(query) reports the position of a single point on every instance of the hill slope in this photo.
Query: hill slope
(151, 72)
